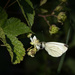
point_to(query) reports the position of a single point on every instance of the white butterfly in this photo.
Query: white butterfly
(55, 49)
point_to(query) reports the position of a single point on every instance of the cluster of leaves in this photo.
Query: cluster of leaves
(13, 27)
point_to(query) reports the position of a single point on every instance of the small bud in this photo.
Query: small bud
(63, 0)
(61, 17)
(58, 8)
(53, 13)
(31, 43)
(43, 10)
(29, 35)
(42, 2)
(32, 52)
(53, 29)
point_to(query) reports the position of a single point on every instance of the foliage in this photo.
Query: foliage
(27, 10)
(49, 20)
(12, 28)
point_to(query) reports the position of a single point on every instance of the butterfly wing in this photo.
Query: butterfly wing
(55, 49)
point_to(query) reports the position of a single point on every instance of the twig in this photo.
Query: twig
(6, 4)
(12, 3)
(44, 16)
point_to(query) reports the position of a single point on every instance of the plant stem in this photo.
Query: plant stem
(44, 16)
(6, 4)
(12, 3)
(63, 57)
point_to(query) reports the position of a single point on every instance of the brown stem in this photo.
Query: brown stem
(44, 16)
(6, 4)
(12, 3)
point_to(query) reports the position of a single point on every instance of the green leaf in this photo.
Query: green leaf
(2, 35)
(15, 27)
(12, 28)
(3, 16)
(42, 2)
(9, 50)
(17, 48)
(3, 39)
(27, 10)
(43, 10)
